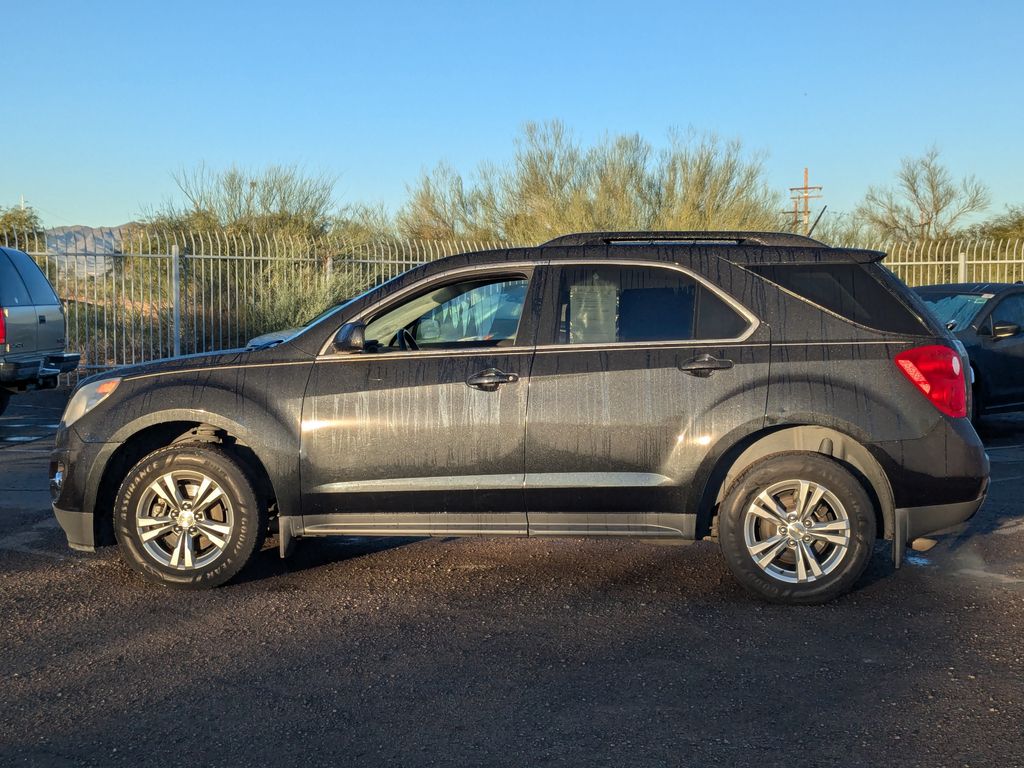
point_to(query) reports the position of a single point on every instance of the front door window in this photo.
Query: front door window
(479, 313)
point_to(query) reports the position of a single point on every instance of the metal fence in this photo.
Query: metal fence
(956, 261)
(133, 295)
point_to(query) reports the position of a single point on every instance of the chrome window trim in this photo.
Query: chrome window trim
(753, 323)
(491, 267)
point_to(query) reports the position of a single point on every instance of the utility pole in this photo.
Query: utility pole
(803, 195)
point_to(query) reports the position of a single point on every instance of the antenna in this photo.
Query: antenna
(823, 209)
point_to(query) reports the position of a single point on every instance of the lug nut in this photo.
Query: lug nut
(807, 538)
(792, 542)
(782, 530)
(791, 517)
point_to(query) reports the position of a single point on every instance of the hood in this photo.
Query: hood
(165, 365)
(272, 338)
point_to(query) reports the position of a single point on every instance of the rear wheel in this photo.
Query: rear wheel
(187, 516)
(797, 528)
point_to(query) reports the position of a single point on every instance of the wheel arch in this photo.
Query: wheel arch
(828, 441)
(132, 446)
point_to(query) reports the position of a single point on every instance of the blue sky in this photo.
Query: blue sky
(106, 100)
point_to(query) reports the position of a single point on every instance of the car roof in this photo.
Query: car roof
(744, 248)
(968, 288)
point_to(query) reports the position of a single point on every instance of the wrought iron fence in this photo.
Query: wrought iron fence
(934, 262)
(133, 295)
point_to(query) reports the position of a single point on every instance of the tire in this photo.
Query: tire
(749, 527)
(5, 399)
(150, 523)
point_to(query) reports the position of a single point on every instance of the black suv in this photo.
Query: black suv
(793, 400)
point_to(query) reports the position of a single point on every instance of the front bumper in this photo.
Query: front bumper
(76, 468)
(78, 528)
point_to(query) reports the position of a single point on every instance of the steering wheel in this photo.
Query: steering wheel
(406, 342)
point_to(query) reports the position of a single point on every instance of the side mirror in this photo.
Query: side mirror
(1002, 330)
(351, 337)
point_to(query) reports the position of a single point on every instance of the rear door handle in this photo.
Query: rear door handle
(703, 366)
(491, 379)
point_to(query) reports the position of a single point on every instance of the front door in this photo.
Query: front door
(423, 433)
(1002, 360)
(640, 369)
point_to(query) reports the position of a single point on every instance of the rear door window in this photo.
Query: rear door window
(600, 304)
(848, 290)
(13, 292)
(38, 286)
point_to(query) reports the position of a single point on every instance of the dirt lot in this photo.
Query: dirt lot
(504, 652)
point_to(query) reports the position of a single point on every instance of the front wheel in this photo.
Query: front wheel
(797, 528)
(187, 517)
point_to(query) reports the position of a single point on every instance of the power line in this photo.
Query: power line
(803, 195)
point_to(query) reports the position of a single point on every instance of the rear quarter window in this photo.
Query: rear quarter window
(851, 291)
(39, 288)
(13, 292)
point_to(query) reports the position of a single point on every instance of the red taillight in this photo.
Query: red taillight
(3, 326)
(939, 373)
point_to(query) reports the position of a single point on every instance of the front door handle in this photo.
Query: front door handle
(703, 366)
(491, 379)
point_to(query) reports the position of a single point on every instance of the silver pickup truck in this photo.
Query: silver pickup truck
(32, 328)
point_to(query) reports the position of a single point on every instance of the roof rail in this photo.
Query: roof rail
(739, 238)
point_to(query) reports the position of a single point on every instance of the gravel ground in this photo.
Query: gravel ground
(505, 652)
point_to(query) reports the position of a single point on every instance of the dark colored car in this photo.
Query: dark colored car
(989, 319)
(793, 400)
(32, 328)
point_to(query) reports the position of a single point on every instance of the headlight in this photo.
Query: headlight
(87, 398)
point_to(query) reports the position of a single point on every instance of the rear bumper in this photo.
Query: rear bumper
(63, 362)
(19, 372)
(914, 522)
(78, 528)
(39, 372)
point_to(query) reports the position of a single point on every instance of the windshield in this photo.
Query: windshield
(955, 310)
(326, 312)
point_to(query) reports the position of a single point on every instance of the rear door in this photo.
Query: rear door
(49, 313)
(19, 311)
(640, 369)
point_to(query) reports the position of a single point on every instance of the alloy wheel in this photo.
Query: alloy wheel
(184, 519)
(797, 531)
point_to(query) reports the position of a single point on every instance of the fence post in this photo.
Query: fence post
(176, 297)
(961, 267)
